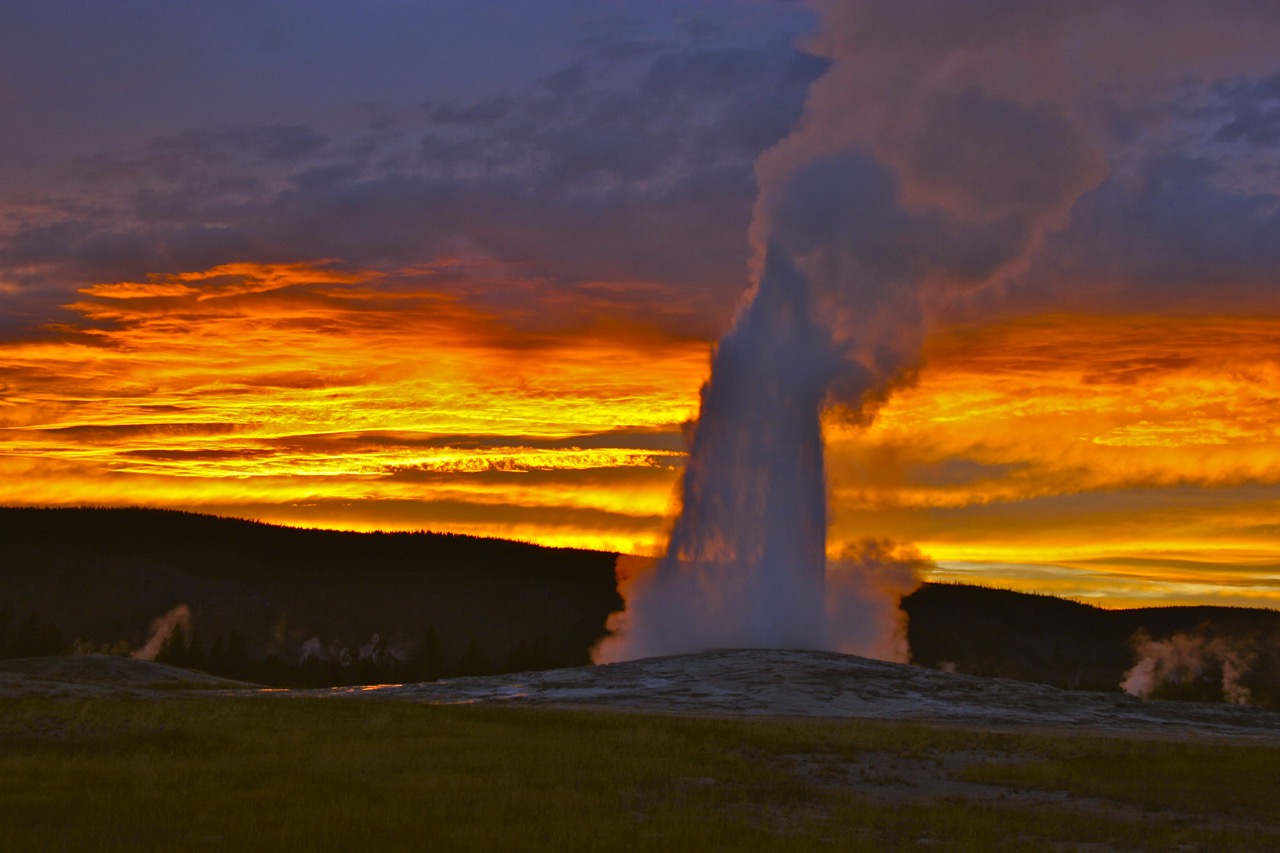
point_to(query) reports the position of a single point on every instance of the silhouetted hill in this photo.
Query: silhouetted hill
(281, 605)
(446, 603)
(1189, 652)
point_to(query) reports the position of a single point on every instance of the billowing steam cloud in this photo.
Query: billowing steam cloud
(941, 146)
(1184, 660)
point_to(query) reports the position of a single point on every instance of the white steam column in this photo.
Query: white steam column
(746, 562)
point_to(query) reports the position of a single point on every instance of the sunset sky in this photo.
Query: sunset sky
(459, 266)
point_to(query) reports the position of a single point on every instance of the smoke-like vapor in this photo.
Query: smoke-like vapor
(161, 629)
(1183, 660)
(864, 587)
(317, 650)
(940, 147)
(381, 649)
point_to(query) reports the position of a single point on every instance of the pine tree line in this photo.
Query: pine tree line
(231, 656)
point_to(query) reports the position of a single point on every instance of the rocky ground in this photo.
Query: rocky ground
(739, 682)
(779, 683)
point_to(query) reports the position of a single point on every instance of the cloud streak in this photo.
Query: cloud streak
(302, 383)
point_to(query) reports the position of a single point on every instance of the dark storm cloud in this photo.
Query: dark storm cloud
(116, 66)
(621, 150)
(1178, 227)
(1097, 156)
(288, 143)
(478, 113)
(638, 174)
(1254, 108)
(1190, 218)
(1173, 234)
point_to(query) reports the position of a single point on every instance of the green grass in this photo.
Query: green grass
(271, 773)
(1191, 779)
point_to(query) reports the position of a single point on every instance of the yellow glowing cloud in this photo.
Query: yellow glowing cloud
(1124, 459)
(228, 280)
(1066, 405)
(282, 363)
(294, 383)
(1057, 439)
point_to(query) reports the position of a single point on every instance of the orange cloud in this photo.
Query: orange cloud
(1051, 440)
(229, 280)
(1122, 459)
(289, 384)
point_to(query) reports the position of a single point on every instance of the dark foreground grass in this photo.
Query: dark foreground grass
(286, 773)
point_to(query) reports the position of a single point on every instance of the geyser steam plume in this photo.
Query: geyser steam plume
(746, 563)
(943, 144)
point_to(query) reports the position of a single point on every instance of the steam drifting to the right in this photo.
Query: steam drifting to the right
(940, 147)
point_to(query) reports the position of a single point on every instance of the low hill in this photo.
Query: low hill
(260, 593)
(1202, 653)
(284, 606)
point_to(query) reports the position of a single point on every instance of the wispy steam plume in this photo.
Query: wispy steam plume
(162, 629)
(941, 146)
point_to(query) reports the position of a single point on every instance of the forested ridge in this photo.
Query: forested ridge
(287, 606)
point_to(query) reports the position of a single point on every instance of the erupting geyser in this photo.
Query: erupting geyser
(746, 564)
(941, 148)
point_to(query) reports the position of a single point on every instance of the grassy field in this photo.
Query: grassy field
(271, 773)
